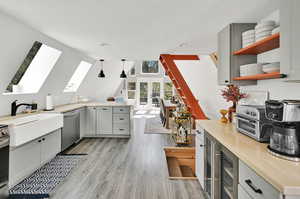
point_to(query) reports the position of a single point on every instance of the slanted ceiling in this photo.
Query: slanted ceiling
(136, 29)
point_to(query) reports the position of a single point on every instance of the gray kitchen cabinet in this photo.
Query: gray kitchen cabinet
(104, 120)
(121, 121)
(50, 146)
(82, 122)
(90, 121)
(200, 155)
(289, 39)
(24, 160)
(242, 194)
(229, 41)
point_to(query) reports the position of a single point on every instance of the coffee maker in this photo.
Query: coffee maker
(285, 136)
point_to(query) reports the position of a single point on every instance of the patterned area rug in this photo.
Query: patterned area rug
(43, 181)
(154, 126)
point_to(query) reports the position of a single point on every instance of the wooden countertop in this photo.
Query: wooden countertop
(284, 175)
(65, 108)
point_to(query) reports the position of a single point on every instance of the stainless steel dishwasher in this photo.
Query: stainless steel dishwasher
(71, 130)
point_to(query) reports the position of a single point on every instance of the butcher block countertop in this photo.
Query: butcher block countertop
(65, 108)
(284, 175)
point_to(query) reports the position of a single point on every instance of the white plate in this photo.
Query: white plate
(248, 36)
(272, 65)
(264, 28)
(261, 38)
(248, 32)
(263, 34)
(276, 30)
(248, 41)
(265, 23)
(271, 70)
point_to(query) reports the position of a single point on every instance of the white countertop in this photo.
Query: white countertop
(284, 175)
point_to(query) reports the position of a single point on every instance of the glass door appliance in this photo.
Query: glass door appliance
(211, 167)
(229, 174)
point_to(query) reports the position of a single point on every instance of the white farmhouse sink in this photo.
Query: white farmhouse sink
(28, 128)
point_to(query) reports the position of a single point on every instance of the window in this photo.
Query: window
(34, 70)
(150, 67)
(155, 93)
(132, 71)
(78, 76)
(168, 90)
(131, 88)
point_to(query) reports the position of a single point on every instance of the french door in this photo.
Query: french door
(148, 92)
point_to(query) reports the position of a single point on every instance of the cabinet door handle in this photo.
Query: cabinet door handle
(121, 129)
(256, 190)
(121, 109)
(39, 140)
(201, 145)
(121, 118)
(199, 132)
(43, 139)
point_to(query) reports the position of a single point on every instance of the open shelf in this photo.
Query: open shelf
(261, 46)
(274, 75)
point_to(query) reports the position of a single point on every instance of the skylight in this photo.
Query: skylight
(78, 76)
(34, 71)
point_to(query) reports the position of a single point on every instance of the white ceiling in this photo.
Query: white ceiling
(136, 29)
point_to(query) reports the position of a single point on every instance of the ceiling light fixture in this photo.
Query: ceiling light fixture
(101, 74)
(123, 74)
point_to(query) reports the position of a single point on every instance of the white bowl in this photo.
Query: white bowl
(272, 65)
(248, 32)
(264, 28)
(276, 30)
(271, 70)
(265, 23)
(260, 38)
(263, 34)
(251, 69)
(248, 36)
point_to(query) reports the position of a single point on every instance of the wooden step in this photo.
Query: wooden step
(187, 171)
(174, 167)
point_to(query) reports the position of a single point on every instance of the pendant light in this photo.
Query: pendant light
(101, 74)
(123, 74)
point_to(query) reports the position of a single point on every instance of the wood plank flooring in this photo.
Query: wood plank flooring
(126, 169)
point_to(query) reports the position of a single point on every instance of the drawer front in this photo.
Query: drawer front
(121, 109)
(121, 129)
(255, 185)
(242, 194)
(121, 118)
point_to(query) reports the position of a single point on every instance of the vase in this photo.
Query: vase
(231, 110)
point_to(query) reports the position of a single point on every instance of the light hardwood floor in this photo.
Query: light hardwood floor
(125, 169)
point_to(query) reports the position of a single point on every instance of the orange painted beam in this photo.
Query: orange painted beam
(168, 62)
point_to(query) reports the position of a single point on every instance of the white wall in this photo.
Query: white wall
(201, 76)
(16, 39)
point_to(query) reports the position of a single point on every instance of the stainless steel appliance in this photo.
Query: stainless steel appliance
(71, 130)
(250, 120)
(283, 111)
(285, 138)
(4, 154)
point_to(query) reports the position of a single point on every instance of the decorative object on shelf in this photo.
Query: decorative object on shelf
(264, 30)
(110, 99)
(123, 74)
(101, 74)
(232, 94)
(224, 118)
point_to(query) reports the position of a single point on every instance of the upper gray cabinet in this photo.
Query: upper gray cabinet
(229, 41)
(289, 39)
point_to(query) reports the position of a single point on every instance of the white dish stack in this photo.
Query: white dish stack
(248, 38)
(251, 69)
(272, 67)
(264, 30)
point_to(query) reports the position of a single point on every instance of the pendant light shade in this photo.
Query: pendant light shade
(101, 74)
(123, 74)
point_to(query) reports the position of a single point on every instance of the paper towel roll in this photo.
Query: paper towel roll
(49, 102)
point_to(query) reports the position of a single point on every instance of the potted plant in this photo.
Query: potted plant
(232, 94)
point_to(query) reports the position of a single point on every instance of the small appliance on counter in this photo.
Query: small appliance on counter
(49, 103)
(250, 121)
(285, 137)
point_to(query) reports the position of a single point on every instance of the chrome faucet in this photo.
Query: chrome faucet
(14, 107)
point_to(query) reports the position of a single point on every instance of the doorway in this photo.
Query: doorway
(148, 92)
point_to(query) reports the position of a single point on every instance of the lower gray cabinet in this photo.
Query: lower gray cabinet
(24, 160)
(104, 120)
(90, 121)
(242, 194)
